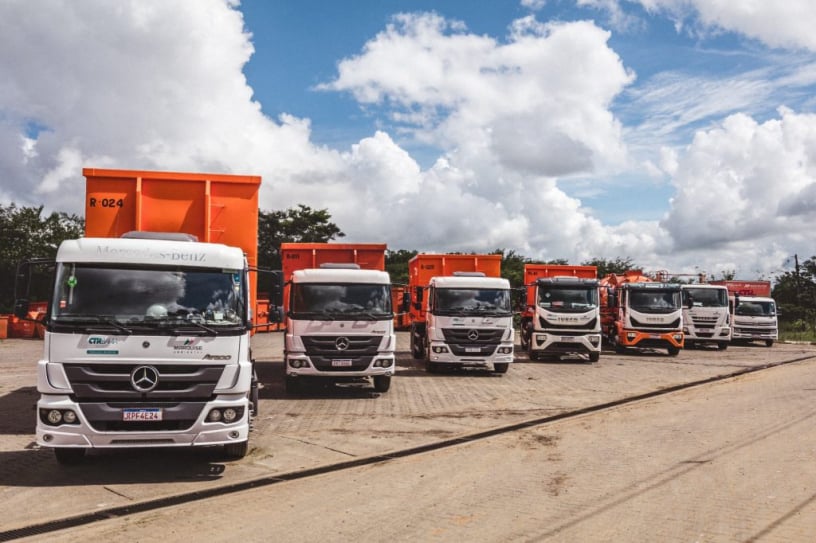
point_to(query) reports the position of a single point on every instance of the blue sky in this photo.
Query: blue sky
(679, 133)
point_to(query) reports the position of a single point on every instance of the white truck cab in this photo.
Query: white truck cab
(706, 316)
(146, 345)
(340, 325)
(755, 319)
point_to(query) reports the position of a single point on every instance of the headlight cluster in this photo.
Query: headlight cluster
(439, 349)
(298, 363)
(678, 337)
(505, 350)
(225, 414)
(631, 335)
(383, 363)
(55, 417)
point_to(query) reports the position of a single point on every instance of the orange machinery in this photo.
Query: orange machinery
(760, 289)
(216, 208)
(424, 266)
(301, 256)
(533, 272)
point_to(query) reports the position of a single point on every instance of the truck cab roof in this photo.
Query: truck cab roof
(156, 252)
(465, 281)
(340, 275)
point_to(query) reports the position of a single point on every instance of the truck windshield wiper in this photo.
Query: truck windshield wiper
(93, 319)
(178, 327)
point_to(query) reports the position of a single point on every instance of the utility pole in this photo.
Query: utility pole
(798, 280)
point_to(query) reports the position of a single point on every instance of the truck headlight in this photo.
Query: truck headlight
(505, 350)
(631, 335)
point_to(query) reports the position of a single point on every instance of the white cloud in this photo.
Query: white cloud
(159, 85)
(787, 24)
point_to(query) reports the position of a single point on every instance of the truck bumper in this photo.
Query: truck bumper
(300, 365)
(637, 338)
(82, 434)
(720, 334)
(442, 353)
(546, 342)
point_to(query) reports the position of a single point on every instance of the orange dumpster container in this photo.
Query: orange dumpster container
(4, 326)
(216, 208)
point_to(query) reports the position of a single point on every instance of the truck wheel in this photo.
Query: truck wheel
(501, 368)
(236, 451)
(674, 351)
(594, 356)
(722, 346)
(769, 342)
(382, 383)
(689, 345)
(69, 456)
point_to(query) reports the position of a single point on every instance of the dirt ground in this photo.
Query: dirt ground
(327, 425)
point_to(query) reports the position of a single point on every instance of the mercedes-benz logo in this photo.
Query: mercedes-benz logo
(473, 335)
(144, 378)
(342, 343)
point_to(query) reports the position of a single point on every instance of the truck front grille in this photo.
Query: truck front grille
(341, 353)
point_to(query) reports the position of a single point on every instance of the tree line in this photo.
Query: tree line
(26, 232)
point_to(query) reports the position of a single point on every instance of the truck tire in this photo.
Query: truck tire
(689, 345)
(769, 342)
(254, 395)
(501, 368)
(722, 346)
(236, 451)
(382, 383)
(673, 351)
(594, 356)
(417, 348)
(69, 456)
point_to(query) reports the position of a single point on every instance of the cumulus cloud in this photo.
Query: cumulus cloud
(787, 24)
(513, 119)
(745, 181)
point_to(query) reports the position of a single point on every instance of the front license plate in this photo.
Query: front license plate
(473, 349)
(567, 338)
(140, 415)
(654, 336)
(341, 362)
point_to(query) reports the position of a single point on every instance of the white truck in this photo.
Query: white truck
(339, 326)
(706, 317)
(562, 315)
(146, 345)
(468, 321)
(754, 313)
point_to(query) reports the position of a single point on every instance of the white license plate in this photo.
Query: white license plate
(473, 349)
(654, 336)
(570, 339)
(341, 362)
(139, 415)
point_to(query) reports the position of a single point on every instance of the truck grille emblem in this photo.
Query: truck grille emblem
(144, 378)
(473, 335)
(342, 343)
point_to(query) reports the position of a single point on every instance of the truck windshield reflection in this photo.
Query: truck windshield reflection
(341, 301)
(147, 296)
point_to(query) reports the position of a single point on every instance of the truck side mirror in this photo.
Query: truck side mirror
(419, 295)
(21, 308)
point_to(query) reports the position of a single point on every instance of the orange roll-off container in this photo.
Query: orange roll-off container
(216, 208)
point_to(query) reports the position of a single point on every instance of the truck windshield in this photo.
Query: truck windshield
(203, 298)
(654, 300)
(756, 309)
(705, 297)
(472, 301)
(322, 301)
(567, 300)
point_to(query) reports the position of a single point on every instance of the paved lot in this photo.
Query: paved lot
(326, 425)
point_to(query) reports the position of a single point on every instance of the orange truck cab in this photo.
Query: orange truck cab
(638, 312)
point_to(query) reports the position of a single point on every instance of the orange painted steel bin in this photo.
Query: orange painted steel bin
(532, 272)
(302, 256)
(216, 208)
(4, 326)
(424, 266)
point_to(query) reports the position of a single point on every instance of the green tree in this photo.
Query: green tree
(300, 224)
(796, 294)
(25, 233)
(396, 264)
